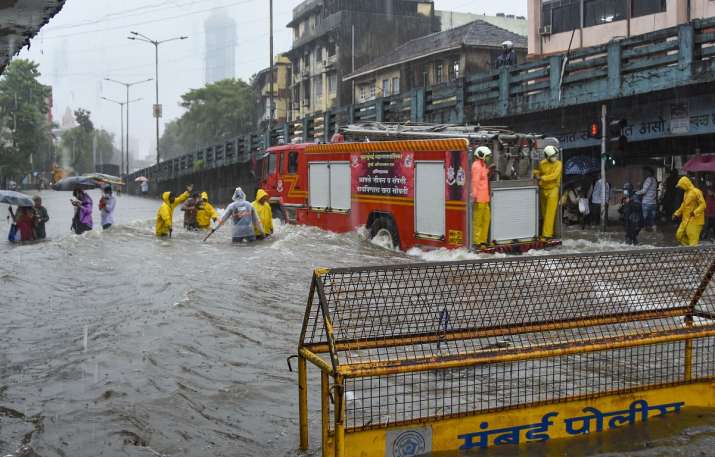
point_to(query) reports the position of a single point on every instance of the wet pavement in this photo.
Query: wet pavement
(118, 344)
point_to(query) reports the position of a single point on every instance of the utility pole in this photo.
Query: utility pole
(604, 130)
(136, 36)
(270, 76)
(127, 86)
(121, 122)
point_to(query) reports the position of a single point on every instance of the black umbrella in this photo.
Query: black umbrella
(11, 197)
(75, 183)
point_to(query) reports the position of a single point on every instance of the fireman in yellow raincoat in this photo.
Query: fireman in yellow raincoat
(264, 211)
(549, 175)
(692, 213)
(205, 213)
(165, 215)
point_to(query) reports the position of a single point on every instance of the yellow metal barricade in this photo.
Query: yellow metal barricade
(444, 356)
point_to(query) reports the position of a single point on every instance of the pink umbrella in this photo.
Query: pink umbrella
(141, 179)
(701, 163)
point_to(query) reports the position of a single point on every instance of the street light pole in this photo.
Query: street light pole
(270, 78)
(127, 86)
(136, 36)
(121, 121)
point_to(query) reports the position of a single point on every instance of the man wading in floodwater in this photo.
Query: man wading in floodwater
(243, 217)
(165, 216)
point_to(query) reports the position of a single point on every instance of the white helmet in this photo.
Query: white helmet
(507, 44)
(483, 152)
(550, 151)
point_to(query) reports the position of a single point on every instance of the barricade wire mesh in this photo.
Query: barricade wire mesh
(435, 310)
(384, 400)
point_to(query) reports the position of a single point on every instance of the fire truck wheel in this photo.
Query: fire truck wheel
(384, 230)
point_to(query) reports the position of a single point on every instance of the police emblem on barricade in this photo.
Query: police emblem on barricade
(409, 443)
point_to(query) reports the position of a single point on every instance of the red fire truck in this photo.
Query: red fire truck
(412, 190)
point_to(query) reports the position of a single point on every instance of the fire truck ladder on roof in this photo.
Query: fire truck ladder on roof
(396, 131)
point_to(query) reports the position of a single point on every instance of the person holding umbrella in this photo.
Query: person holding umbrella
(82, 220)
(165, 215)
(23, 220)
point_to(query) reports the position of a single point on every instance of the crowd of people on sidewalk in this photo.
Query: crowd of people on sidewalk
(688, 199)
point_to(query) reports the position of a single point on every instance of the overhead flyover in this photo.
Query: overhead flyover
(20, 20)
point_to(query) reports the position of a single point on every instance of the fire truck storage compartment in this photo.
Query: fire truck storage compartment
(515, 210)
(429, 199)
(329, 185)
(339, 186)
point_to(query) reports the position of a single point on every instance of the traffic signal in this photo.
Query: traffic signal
(617, 133)
(594, 130)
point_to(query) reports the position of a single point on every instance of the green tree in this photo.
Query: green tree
(82, 144)
(213, 113)
(24, 127)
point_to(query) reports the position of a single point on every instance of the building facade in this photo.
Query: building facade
(557, 25)
(221, 42)
(453, 19)
(435, 59)
(281, 91)
(331, 38)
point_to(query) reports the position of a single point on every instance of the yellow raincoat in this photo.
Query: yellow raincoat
(265, 214)
(550, 186)
(206, 213)
(165, 215)
(692, 212)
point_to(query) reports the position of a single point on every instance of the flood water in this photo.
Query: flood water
(118, 344)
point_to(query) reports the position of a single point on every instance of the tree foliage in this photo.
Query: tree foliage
(83, 143)
(214, 112)
(24, 127)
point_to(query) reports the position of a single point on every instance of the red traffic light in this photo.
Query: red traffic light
(595, 130)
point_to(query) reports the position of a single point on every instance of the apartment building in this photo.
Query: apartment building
(557, 25)
(435, 59)
(281, 91)
(331, 38)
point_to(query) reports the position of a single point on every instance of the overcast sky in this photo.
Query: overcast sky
(86, 42)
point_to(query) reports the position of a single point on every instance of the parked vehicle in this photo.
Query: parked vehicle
(411, 191)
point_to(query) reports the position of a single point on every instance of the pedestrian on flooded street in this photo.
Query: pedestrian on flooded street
(106, 207)
(82, 220)
(632, 214)
(205, 213)
(710, 209)
(691, 213)
(243, 217)
(190, 208)
(649, 201)
(41, 218)
(265, 213)
(24, 222)
(165, 215)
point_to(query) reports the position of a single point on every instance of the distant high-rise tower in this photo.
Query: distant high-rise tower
(221, 34)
